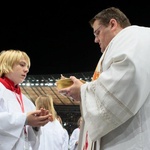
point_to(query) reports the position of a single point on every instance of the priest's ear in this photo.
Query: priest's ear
(113, 24)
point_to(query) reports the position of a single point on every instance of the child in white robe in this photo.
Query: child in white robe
(73, 142)
(52, 134)
(18, 115)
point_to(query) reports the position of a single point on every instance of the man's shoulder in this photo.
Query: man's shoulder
(133, 31)
(136, 27)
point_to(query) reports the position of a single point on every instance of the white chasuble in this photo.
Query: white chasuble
(116, 106)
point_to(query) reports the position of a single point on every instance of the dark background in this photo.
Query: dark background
(57, 36)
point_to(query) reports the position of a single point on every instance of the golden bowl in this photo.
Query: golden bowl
(64, 83)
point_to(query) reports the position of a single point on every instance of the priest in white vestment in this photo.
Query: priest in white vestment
(116, 105)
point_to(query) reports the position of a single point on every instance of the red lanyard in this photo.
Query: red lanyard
(19, 98)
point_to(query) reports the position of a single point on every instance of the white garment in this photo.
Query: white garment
(12, 122)
(53, 137)
(116, 107)
(74, 138)
(66, 137)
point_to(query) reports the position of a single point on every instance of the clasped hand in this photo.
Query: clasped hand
(38, 118)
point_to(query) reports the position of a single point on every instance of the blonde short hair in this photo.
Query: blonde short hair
(9, 57)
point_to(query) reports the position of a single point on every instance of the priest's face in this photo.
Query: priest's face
(104, 34)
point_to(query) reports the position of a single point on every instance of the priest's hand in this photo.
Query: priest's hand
(72, 91)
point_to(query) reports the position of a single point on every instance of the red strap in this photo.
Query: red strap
(20, 101)
(86, 142)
